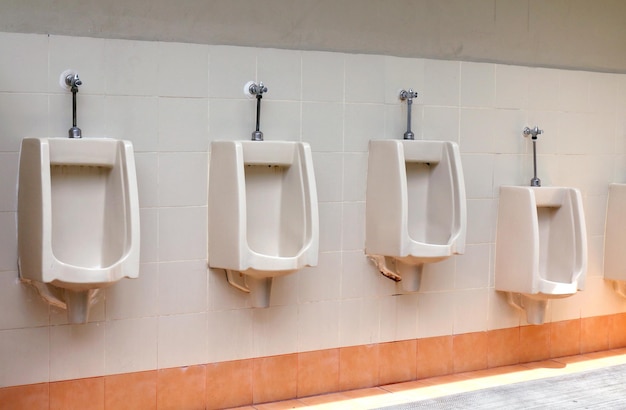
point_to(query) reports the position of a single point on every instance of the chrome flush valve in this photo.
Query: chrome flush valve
(251, 88)
(408, 96)
(533, 133)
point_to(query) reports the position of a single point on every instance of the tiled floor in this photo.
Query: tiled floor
(445, 385)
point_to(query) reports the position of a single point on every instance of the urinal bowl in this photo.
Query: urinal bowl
(415, 207)
(541, 247)
(78, 219)
(263, 216)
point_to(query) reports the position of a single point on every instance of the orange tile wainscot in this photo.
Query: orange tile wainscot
(305, 374)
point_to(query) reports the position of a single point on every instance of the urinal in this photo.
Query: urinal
(78, 218)
(263, 215)
(541, 247)
(615, 238)
(415, 207)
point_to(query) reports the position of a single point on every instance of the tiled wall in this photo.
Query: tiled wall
(171, 100)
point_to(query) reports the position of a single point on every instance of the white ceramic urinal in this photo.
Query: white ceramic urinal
(263, 217)
(78, 218)
(415, 206)
(541, 247)
(615, 238)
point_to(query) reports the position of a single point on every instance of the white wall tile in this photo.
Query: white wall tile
(284, 290)
(472, 268)
(359, 321)
(435, 314)
(182, 233)
(232, 119)
(594, 207)
(275, 331)
(131, 67)
(24, 63)
(363, 78)
(476, 130)
(321, 282)
(182, 287)
(353, 226)
(355, 175)
(512, 86)
(478, 175)
(471, 311)
(182, 340)
(478, 84)
(318, 325)
(131, 345)
(8, 241)
(183, 70)
(280, 120)
(362, 123)
(543, 89)
(77, 351)
(441, 83)
(147, 171)
(24, 307)
(438, 276)
(481, 220)
(149, 221)
(134, 119)
(322, 126)
(25, 356)
(183, 179)
(511, 169)
(8, 183)
(330, 226)
(507, 131)
(183, 124)
(322, 76)
(23, 115)
(328, 170)
(440, 123)
(398, 317)
(134, 298)
(573, 92)
(237, 342)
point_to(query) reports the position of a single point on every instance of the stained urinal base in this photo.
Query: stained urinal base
(619, 287)
(77, 303)
(409, 275)
(534, 308)
(260, 289)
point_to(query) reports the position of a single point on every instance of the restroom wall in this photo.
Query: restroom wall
(576, 34)
(172, 99)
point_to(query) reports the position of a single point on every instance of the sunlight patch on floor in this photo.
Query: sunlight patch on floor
(408, 392)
